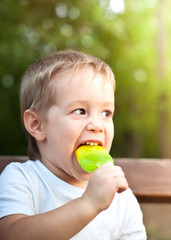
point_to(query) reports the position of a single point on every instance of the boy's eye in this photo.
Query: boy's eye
(79, 111)
(107, 113)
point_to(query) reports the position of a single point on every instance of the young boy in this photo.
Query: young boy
(67, 99)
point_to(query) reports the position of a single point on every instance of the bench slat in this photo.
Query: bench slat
(149, 179)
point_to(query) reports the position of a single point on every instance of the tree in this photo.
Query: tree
(163, 98)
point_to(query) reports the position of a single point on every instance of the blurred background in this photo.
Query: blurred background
(133, 37)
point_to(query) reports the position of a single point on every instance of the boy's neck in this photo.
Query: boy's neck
(66, 177)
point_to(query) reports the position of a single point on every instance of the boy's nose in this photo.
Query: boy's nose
(95, 125)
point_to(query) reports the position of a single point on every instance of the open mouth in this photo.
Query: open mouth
(90, 143)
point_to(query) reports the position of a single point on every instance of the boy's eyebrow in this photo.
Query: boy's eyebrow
(85, 102)
(77, 102)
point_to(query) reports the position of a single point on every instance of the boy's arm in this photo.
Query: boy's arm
(66, 221)
(61, 223)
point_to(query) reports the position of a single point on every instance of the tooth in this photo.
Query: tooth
(91, 143)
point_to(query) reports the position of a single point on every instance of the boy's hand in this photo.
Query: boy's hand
(56, 224)
(103, 184)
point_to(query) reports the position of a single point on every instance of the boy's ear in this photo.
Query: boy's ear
(33, 125)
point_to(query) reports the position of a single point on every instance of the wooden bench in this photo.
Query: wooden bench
(150, 179)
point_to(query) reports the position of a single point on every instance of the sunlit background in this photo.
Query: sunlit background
(133, 37)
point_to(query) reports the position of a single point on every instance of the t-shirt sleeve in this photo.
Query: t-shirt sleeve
(15, 192)
(134, 228)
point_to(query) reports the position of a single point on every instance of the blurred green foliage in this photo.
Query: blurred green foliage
(126, 41)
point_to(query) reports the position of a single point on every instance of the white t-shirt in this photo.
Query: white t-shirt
(30, 188)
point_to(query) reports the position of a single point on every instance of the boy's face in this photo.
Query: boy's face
(83, 113)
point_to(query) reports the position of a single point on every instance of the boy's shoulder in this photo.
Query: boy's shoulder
(17, 171)
(21, 166)
(35, 175)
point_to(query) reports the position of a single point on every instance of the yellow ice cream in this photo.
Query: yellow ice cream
(92, 157)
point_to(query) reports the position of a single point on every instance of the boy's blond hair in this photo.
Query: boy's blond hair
(38, 94)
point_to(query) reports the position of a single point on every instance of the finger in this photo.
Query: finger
(120, 184)
(110, 169)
